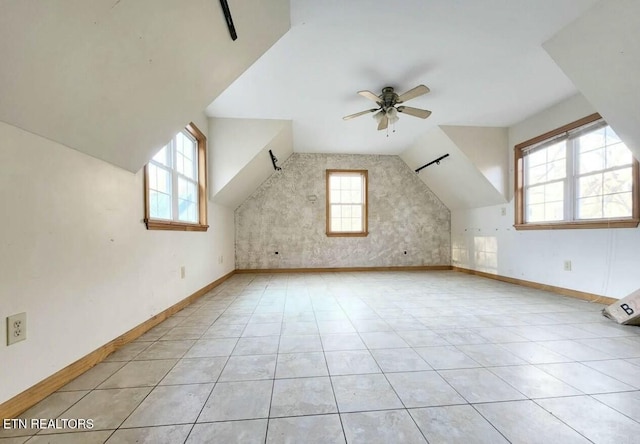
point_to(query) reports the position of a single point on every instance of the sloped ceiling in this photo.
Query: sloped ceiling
(116, 79)
(483, 61)
(600, 53)
(457, 180)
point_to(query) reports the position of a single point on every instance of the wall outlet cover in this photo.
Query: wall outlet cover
(16, 328)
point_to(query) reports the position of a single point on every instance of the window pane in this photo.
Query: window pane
(554, 211)
(589, 186)
(590, 208)
(159, 179)
(336, 211)
(187, 211)
(591, 141)
(535, 213)
(618, 181)
(618, 205)
(164, 156)
(554, 192)
(160, 205)
(618, 155)
(336, 224)
(591, 161)
(187, 190)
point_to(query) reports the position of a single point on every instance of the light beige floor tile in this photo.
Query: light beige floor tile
(351, 362)
(50, 407)
(627, 403)
(621, 370)
(575, 350)
(93, 377)
(342, 341)
(168, 405)
(490, 355)
(259, 345)
(364, 392)
(165, 350)
(383, 339)
(323, 429)
(299, 344)
(541, 427)
(480, 385)
(107, 408)
(533, 382)
(298, 365)
(208, 348)
(245, 432)
(399, 360)
(584, 378)
(534, 353)
(423, 389)
(151, 435)
(593, 419)
(446, 357)
(422, 338)
(128, 352)
(195, 371)
(238, 400)
(245, 368)
(381, 427)
(302, 396)
(458, 424)
(72, 438)
(139, 374)
(266, 329)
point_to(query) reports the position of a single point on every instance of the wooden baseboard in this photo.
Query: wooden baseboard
(552, 288)
(25, 400)
(344, 269)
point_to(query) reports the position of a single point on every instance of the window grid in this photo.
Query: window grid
(175, 184)
(599, 187)
(346, 202)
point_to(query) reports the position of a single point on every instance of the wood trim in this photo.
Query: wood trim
(365, 221)
(156, 224)
(607, 223)
(538, 286)
(344, 269)
(27, 399)
(563, 129)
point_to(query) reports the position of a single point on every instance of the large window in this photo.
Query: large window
(175, 184)
(578, 176)
(347, 203)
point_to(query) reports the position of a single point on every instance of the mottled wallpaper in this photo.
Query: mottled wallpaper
(287, 215)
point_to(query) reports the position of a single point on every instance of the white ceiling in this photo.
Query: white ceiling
(482, 59)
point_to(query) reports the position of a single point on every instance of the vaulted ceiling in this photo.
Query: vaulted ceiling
(117, 78)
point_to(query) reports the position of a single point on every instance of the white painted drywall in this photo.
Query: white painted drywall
(486, 148)
(117, 79)
(457, 181)
(76, 256)
(604, 262)
(600, 53)
(234, 143)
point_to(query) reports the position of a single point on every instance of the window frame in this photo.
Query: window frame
(175, 225)
(365, 211)
(520, 221)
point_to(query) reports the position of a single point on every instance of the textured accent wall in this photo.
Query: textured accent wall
(282, 216)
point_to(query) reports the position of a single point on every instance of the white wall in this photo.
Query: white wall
(604, 262)
(76, 256)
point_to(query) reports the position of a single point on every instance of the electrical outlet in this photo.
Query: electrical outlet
(503, 211)
(16, 328)
(220, 259)
(183, 272)
(567, 265)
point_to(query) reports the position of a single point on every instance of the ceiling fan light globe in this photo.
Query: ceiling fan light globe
(378, 116)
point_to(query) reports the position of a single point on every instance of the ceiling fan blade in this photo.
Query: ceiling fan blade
(416, 112)
(361, 113)
(369, 95)
(384, 123)
(412, 93)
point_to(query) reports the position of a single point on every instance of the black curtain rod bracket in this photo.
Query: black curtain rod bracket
(274, 159)
(437, 162)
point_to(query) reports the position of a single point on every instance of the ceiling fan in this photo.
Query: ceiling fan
(387, 111)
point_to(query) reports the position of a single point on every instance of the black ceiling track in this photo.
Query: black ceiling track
(437, 162)
(227, 17)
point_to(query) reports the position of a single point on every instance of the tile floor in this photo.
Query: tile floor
(415, 357)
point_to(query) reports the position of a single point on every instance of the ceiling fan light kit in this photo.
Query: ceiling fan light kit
(387, 111)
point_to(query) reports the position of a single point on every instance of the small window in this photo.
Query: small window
(175, 184)
(347, 203)
(578, 176)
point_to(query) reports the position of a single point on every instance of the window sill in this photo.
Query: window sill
(576, 225)
(362, 234)
(174, 226)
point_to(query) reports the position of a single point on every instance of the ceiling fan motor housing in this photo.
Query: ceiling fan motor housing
(388, 98)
